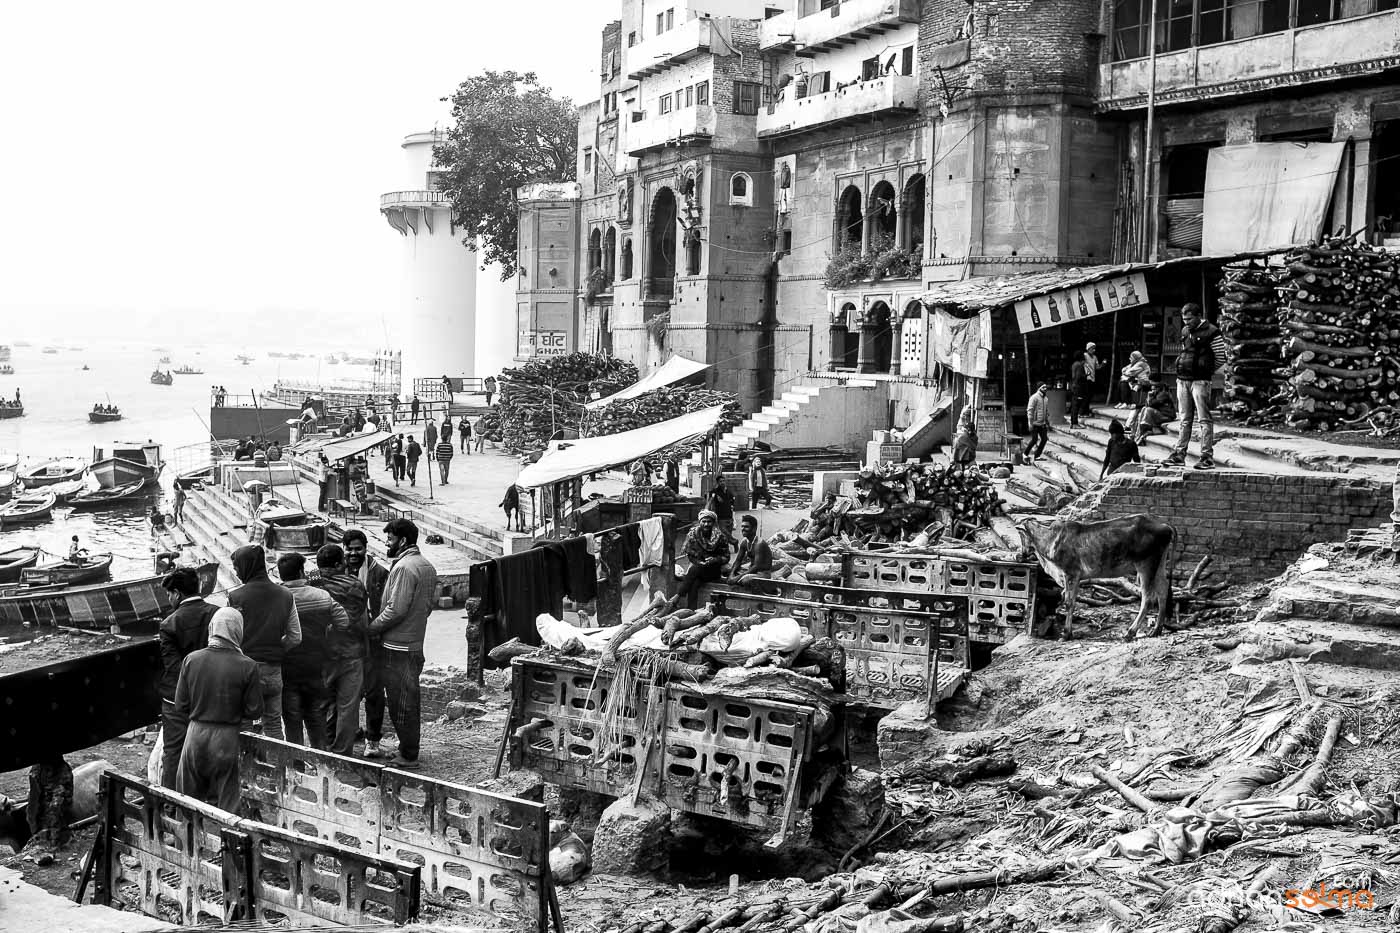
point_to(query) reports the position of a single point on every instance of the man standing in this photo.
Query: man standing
(345, 647)
(758, 484)
(445, 432)
(443, 454)
(1038, 416)
(219, 689)
(373, 578)
(305, 699)
(1091, 369)
(411, 457)
(270, 628)
(464, 431)
(754, 560)
(182, 633)
(447, 387)
(413, 406)
(708, 550)
(490, 386)
(400, 626)
(179, 508)
(400, 460)
(721, 502)
(430, 437)
(1202, 353)
(394, 406)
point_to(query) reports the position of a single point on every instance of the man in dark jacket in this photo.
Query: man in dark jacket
(270, 628)
(183, 632)
(345, 647)
(219, 689)
(373, 577)
(305, 699)
(400, 627)
(1203, 351)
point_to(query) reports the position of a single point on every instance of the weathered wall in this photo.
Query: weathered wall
(839, 416)
(1252, 524)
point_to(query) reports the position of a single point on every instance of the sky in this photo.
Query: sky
(179, 164)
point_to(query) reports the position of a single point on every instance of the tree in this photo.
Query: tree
(507, 131)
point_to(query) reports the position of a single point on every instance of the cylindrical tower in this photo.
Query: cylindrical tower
(435, 323)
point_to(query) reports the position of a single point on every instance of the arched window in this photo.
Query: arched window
(845, 338)
(661, 245)
(848, 217)
(692, 251)
(626, 259)
(879, 337)
(740, 189)
(883, 216)
(610, 253)
(595, 250)
(911, 341)
(912, 211)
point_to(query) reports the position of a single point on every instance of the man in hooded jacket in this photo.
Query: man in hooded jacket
(271, 628)
(219, 690)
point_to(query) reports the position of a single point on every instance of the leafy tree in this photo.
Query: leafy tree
(507, 131)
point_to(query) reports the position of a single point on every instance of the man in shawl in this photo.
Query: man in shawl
(219, 690)
(707, 548)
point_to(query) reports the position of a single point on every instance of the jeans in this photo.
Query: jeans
(466, 443)
(412, 467)
(759, 492)
(400, 678)
(1040, 436)
(694, 577)
(373, 677)
(271, 677)
(443, 467)
(1193, 401)
(306, 702)
(1079, 405)
(345, 682)
(400, 467)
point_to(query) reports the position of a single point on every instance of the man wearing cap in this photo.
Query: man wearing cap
(707, 548)
(1038, 417)
(218, 691)
(182, 633)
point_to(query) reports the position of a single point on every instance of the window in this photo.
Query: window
(746, 97)
(741, 189)
(870, 68)
(670, 17)
(906, 60)
(587, 161)
(664, 104)
(702, 93)
(690, 97)
(631, 39)
(660, 23)
(1214, 21)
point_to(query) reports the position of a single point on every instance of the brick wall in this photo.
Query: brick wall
(1253, 524)
(440, 686)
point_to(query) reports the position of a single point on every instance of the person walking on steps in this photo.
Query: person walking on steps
(1203, 351)
(464, 432)
(412, 455)
(490, 386)
(1038, 416)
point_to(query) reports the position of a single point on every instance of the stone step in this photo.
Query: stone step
(471, 529)
(1315, 640)
(1092, 436)
(765, 418)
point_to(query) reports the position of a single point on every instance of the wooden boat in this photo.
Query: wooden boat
(66, 489)
(126, 463)
(54, 471)
(189, 371)
(103, 417)
(11, 411)
(15, 560)
(95, 569)
(50, 349)
(189, 478)
(7, 370)
(27, 507)
(162, 379)
(7, 484)
(165, 359)
(9, 461)
(92, 498)
(283, 528)
(98, 606)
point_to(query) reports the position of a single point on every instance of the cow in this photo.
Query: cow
(15, 829)
(1071, 552)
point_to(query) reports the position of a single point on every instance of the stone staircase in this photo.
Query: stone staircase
(765, 421)
(480, 542)
(217, 521)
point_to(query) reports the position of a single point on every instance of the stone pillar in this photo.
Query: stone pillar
(867, 229)
(900, 227)
(865, 359)
(896, 322)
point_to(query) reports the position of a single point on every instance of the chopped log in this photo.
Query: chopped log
(1127, 793)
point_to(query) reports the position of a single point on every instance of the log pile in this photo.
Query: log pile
(895, 500)
(1248, 304)
(1339, 321)
(546, 396)
(657, 406)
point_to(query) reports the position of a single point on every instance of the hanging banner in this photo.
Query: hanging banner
(1073, 304)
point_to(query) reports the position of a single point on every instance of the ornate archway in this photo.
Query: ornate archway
(661, 245)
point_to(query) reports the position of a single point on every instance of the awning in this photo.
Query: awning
(341, 448)
(668, 373)
(568, 459)
(1262, 194)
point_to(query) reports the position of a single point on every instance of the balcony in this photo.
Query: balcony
(657, 130)
(890, 94)
(657, 53)
(414, 199)
(1324, 52)
(814, 30)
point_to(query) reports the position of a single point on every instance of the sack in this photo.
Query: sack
(157, 753)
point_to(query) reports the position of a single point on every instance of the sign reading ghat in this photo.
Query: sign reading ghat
(542, 343)
(1071, 304)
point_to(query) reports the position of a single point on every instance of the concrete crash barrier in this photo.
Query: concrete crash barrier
(475, 849)
(1001, 594)
(166, 855)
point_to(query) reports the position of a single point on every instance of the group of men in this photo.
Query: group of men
(295, 659)
(707, 547)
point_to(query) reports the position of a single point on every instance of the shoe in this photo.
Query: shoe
(1205, 463)
(405, 764)
(1175, 460)
(373, 750)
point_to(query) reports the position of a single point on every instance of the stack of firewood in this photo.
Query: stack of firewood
(1248, 303)
(899, 499)
(1340, 326)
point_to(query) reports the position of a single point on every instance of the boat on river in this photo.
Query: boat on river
(8, 480)
(10, 410)
(94, 569)
(126, 463)
(188, 371)
(15, 560)
(98, 606)
(98, 416)
(7, 370)
(27, 507)
(105, 495)
(54, 471)
(159, 378)
(68, 488)
(165, 359)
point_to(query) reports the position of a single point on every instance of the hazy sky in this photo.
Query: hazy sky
(164, 157)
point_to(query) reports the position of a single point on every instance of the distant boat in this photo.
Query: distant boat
(189, 371)
(54, 471)
(23, 343)
(165, 359)
(95, 569)
(126, 463)
(102, 417)
(11, 411)
(13, 562)
(27, 507)
(7, 370)
(98, 606)
(162, 379)
(85, 367)
(4, 353)
(50, 349)
(243, 359)
(92, 498)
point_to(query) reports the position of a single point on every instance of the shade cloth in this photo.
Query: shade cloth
(672, 371)
(1266, 195)
(961, 344)
(343, 447)
(568, 459)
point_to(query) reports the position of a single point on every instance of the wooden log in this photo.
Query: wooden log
(1127, 793)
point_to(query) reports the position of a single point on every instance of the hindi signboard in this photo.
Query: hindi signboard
(542, 343)
(1073, 304)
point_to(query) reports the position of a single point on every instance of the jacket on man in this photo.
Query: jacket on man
(318, 614)
(218, 685)
(182, 633)
(408, 598)
(347, 643)
(1202, 352)
(1037, 409)
(270, 623)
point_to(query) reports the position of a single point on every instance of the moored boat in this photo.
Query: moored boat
(54, 471)
(15, 560)
(103, 417)
(91, 498)
(7, 370)
(188, 371)
(94, 569)
(165, 359)
(27, 507)
(125, 463)
(67, 488)
(98, 606)
(8, 481)
(188, 478)
(283, 528)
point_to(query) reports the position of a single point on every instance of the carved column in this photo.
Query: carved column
(900, 230)
(865, 359)
(896, 351)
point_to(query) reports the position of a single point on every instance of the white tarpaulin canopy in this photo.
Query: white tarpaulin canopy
(340, 448)
(673, 370)
(567, 459)
(1267, 195)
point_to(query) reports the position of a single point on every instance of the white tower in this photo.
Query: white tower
(435, 323)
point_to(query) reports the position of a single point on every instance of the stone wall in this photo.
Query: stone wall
(1252, 524)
